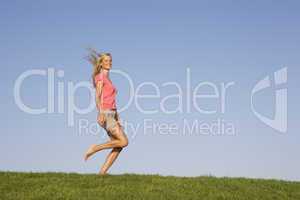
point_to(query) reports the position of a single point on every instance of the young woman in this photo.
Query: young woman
(108, 117)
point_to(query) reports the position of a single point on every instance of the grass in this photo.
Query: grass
(57, 185)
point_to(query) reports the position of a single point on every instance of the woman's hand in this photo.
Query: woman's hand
(101, 119)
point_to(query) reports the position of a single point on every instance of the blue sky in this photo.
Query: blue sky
(154, 41)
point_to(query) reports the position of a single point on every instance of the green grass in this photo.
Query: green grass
(54, 185)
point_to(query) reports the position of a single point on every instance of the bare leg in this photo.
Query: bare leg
(112, 156)
(120, 141)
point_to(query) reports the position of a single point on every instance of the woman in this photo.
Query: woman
(108, 117)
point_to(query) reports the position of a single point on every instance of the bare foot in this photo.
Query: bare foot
(102, 174)
(89, 152)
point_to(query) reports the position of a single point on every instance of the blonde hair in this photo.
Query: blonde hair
(96, 59)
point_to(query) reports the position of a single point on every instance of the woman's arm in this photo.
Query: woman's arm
(101, 118)
(118, 117)
(99, 87)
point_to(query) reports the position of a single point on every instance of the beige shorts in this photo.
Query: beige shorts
(110, 119)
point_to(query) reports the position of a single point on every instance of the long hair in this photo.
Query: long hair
(96, 59)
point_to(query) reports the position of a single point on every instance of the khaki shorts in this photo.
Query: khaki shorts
(110, 119)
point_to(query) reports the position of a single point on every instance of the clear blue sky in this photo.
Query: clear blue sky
(153, 41)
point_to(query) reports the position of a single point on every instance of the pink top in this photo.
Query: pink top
(109, 92)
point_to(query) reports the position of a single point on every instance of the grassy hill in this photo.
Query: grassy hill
(21, 185)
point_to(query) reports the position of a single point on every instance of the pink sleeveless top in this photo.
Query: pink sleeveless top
(109, 92)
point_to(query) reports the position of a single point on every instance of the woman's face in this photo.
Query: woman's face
(107, 62)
